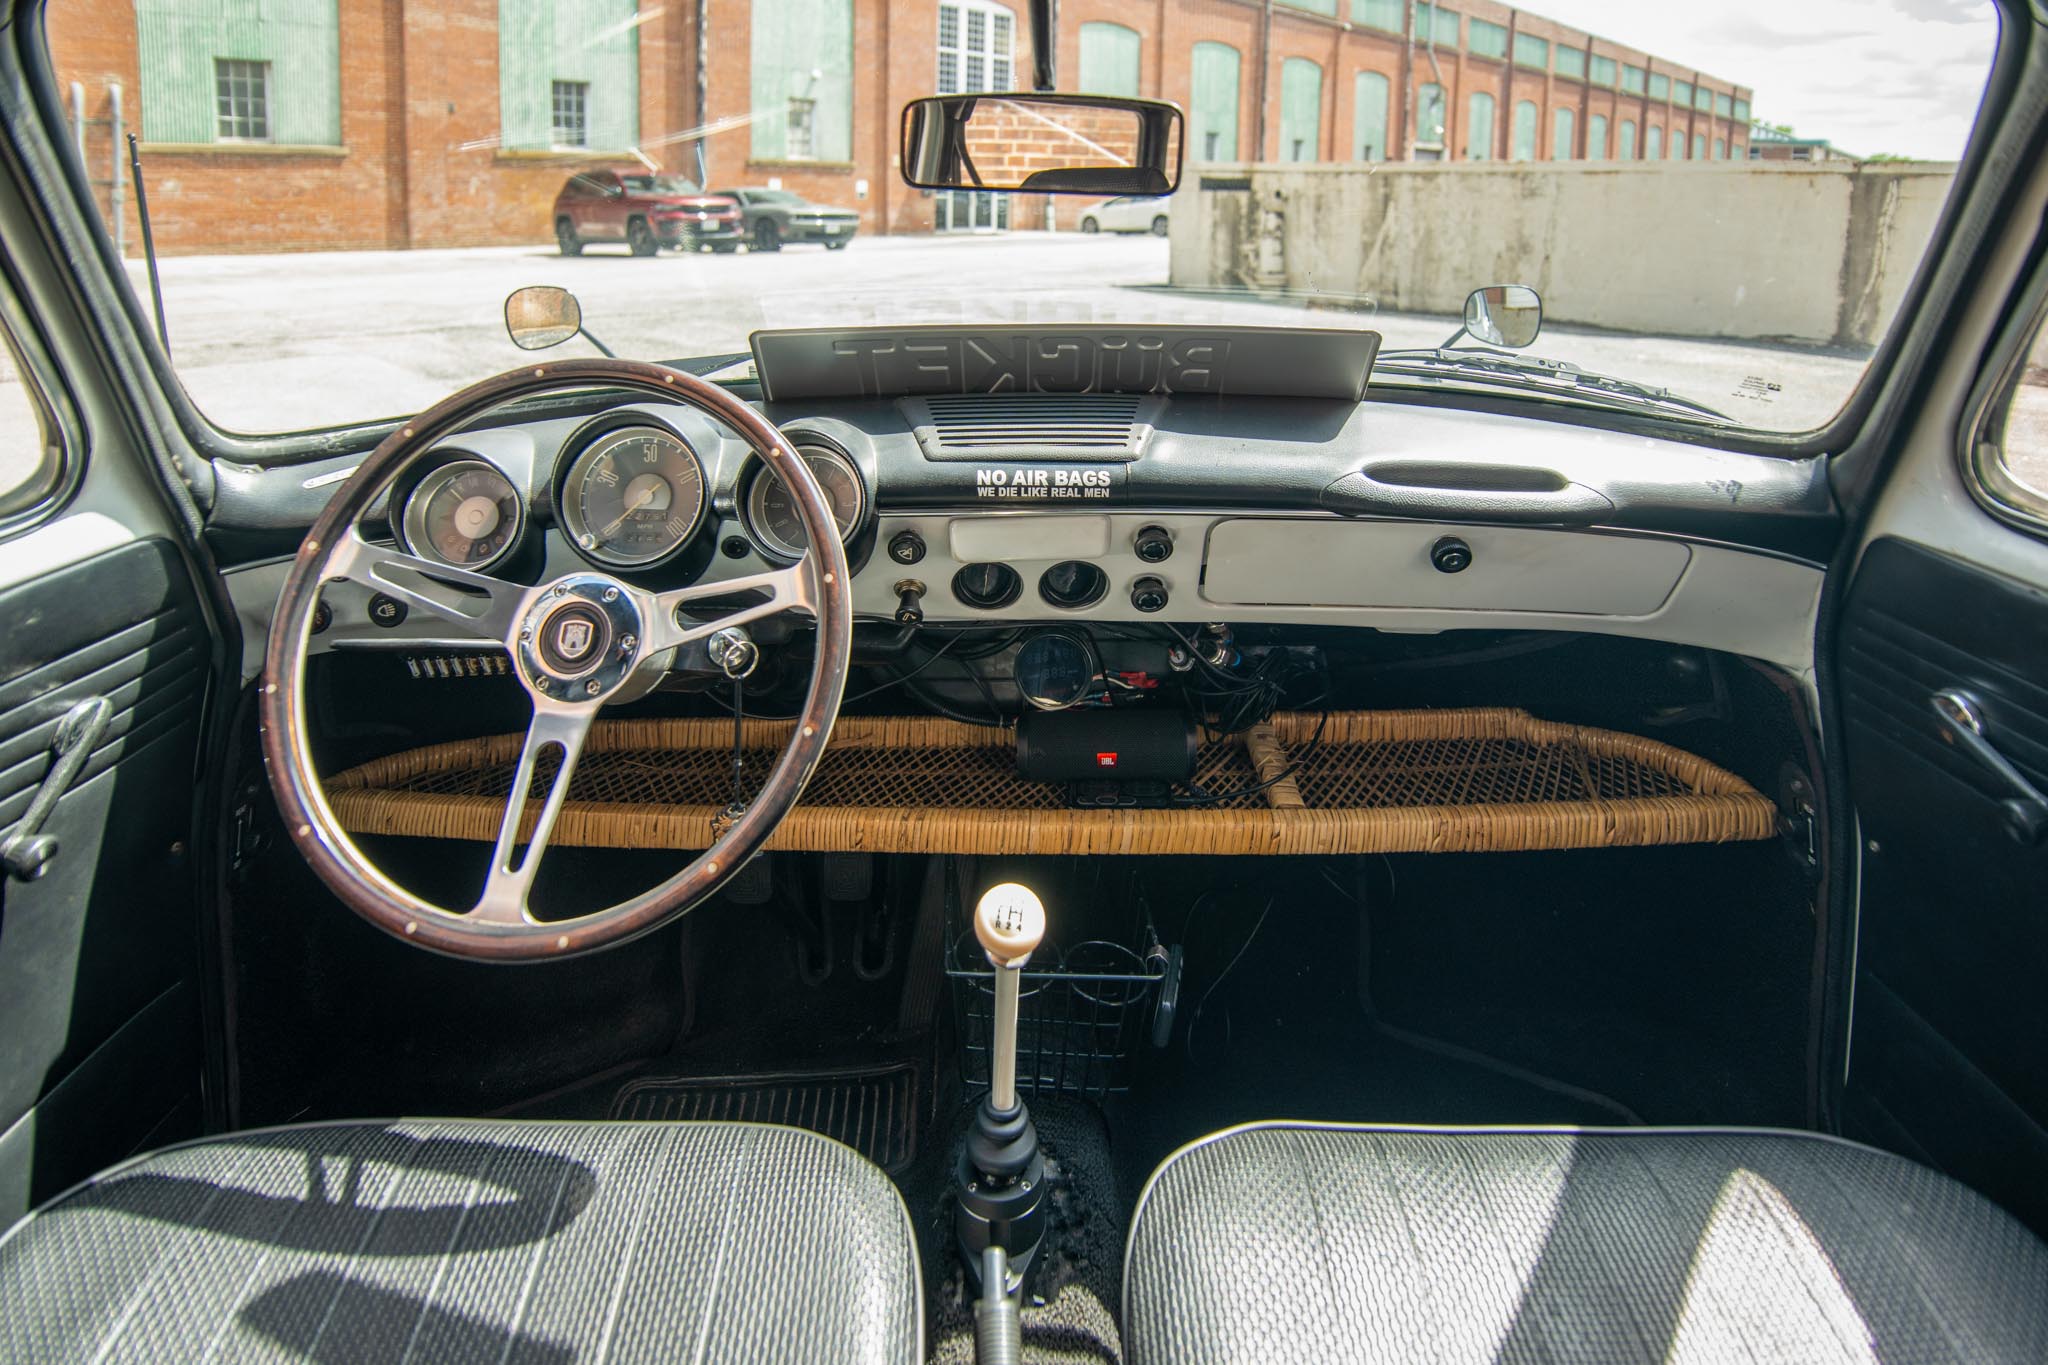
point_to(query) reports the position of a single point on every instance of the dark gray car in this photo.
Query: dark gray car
(774, 217)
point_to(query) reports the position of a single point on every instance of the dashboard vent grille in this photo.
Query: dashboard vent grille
(1049, 426)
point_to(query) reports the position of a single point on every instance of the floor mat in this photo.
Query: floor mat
(873, 1112)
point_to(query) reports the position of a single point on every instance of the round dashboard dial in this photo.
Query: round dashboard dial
(633, 497)
(465, 513)
(771, 507)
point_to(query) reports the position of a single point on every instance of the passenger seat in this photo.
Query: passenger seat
(1298, 1242)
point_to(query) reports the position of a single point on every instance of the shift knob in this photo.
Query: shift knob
(1009, 921)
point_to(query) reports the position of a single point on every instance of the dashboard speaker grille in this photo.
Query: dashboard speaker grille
(1036, 426)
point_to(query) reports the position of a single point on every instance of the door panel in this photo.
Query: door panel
(99, 1052)
(1950, 1012)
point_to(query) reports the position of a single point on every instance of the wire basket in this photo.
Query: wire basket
(1077, 1020)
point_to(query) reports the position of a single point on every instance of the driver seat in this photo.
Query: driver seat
(492, 1240)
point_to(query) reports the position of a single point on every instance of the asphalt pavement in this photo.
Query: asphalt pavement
(292, 341)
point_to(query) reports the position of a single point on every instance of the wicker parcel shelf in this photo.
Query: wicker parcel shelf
(1479, 780)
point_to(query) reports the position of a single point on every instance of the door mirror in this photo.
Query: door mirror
(540, 316)
(1042, 144)
(1507, 315)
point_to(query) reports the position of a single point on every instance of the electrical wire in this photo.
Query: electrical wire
(1195, 1019)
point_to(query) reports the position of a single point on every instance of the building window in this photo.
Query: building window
(1571, 61)
(1301, 110)
(1602, 71)
(1328, 7)
(1213, 100)
(1479, 127)
(1724, 105)
(571, 122)
(797, 137)
(1741, 111)
(1435, 24)
(1653, 143)
(1564, 132)
(1486, 40)
(1703, 100)
(2012, 463)
(1529, 51)
(1681, 93)
(34, 442)
(241, 97)
(1660, 87)
(1720, 149)
(1431, 113)
(1596, 137)
(1699, 146)
(1523, 145)
(1384, 15)
(1369, 96)
(1109, 59)
(1625, 141)
(1632, 80)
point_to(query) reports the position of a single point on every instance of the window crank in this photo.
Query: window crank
(26, 851)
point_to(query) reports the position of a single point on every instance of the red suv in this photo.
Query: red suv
(646, 212)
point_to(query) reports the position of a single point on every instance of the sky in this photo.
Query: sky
(1871, 76)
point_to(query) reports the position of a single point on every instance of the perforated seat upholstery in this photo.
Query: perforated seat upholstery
(1287, 1242)
(498, 1241)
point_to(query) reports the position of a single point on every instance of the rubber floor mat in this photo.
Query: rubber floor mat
(873, 1112)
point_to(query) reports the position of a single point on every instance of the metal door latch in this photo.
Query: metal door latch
(1961, 717)
(26, 851)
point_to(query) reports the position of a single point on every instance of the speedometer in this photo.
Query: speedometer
(771, 507)
(633, 497)
(465, 513)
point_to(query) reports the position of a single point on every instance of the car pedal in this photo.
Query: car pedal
(753, 884)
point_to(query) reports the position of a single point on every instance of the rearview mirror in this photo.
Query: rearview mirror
(541, 315)
(1507, 315)
(1042, 144)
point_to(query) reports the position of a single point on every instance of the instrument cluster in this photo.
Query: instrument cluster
(628, 494)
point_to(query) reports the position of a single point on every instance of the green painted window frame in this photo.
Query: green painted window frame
(1483, 39)
(1479, 115)
(1660, 86)
(1427, 94)
(1703, 100)
(595, 45)
(1384, 15)
(1699, 146)
(1602, 71)
(1112, 58)
(802, 63)
(1531, 51)
(1522, 140)
(1724, 105)
(1741, 114)
(1206, 99)
(1653, 142)
(1372, 110)
(1625, 140)
(1681, 94)
(1301, 100)
(1571, 61)
(1433, 21)
(1326, 8)
(1631, 79)
(179, 44)
(1596, 137)
(1564, 134)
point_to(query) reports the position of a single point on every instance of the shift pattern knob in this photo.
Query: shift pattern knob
(1009, 922)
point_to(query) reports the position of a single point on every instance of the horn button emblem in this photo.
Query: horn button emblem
(584, 630)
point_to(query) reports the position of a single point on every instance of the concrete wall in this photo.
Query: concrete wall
(1817, 255)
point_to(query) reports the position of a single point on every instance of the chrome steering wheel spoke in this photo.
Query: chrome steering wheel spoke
(483, 606)
(513, 863)
(787, 590)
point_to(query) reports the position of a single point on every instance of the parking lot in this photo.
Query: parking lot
(300, 340)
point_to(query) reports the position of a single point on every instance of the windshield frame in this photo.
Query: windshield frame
(85, 237)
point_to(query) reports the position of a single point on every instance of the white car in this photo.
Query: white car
(1130, 213)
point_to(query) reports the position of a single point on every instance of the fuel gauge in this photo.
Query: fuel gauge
(465, 513)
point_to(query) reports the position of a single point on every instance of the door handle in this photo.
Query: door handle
(27, 851)
(1961, 717)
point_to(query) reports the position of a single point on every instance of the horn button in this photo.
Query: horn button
(580, 639)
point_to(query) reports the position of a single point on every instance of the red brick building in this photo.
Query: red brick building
(406, 123)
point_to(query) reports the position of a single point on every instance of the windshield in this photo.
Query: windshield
(661, 184)
(1726, 200)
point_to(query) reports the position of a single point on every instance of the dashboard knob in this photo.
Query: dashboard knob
(906, 547)
(1451, 555)
(909, 599)
(1153, 544)
(1148, 594)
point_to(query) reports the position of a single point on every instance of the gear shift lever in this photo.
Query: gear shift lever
(1001, 1180)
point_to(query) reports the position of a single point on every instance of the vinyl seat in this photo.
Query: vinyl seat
(1297, 1242)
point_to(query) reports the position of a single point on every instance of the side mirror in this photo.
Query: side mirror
(540, 316)
(1042, 144)
(1507, 315)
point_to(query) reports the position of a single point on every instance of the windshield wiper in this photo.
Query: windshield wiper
(1532, 374)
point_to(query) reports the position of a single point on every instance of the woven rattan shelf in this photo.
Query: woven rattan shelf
(1493, 780)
